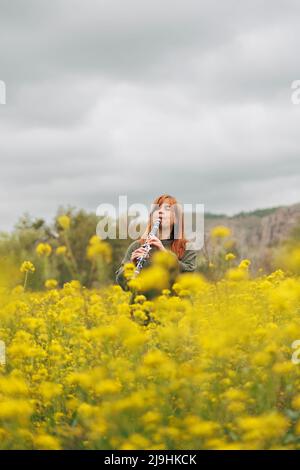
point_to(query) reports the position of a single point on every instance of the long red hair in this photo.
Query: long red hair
(179, 243)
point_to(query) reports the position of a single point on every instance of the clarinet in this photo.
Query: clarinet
(147, 245)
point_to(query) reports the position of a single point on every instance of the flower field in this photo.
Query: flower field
(201, 366)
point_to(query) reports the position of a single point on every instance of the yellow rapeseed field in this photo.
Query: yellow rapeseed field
(204, 365)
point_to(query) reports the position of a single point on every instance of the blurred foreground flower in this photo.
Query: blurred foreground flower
(229, 256)
(204, 365)
(64, 222)
(44, 249)
(288, 258)
(61, 250)
(97, 248)
(51, 284)
(220, 231)
(27, 266)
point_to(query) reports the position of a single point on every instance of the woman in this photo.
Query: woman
(168, 211)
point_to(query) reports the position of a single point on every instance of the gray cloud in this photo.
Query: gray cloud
(142, 98)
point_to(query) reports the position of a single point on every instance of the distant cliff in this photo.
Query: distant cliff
(257, 232)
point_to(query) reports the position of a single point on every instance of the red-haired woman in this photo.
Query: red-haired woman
(170, 237)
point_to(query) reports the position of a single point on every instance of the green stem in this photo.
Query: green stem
(70, 267)
(72, 257)
(46, 270)
(25, 281)
(91, 272)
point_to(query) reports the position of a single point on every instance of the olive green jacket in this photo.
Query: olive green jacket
(185, 264)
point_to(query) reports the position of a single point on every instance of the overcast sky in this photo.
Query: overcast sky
(139, 98)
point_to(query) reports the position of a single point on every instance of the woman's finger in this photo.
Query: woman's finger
(154, 242)
(139, 252)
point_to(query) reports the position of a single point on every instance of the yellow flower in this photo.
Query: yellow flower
(129, 269)
(61, 250)
(244, 264)
(266, 426)
(210, 368)
(50, 390)
(72, 287)
(151, 278)
(190, 283)
(15, 410)
(46, 442)
(151, 417)
(135, 441)
(262, 358)
(13, 386)
(229, 256)
(166, 292)
(86, 411)
(18, 289)
(237, 274)
(107, 387)
(140, 299)
(27, 266)
(236, 407)
(154, 358)
(296, 402)
(140, 315)
(200, 428)
(98, 248)
(282, 368)
(235, 394)
(166, 259)
(51, 283)
(297, 428)
(75, 284)
(64, 221)
(220, 231)
(288, 257)
(44, 249)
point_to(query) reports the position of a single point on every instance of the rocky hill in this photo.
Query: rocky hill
(258, 231)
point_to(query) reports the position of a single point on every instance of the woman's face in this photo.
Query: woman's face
(166, 214)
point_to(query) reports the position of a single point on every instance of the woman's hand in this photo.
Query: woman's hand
(157, 242)
(141, 251)
(138, 253)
